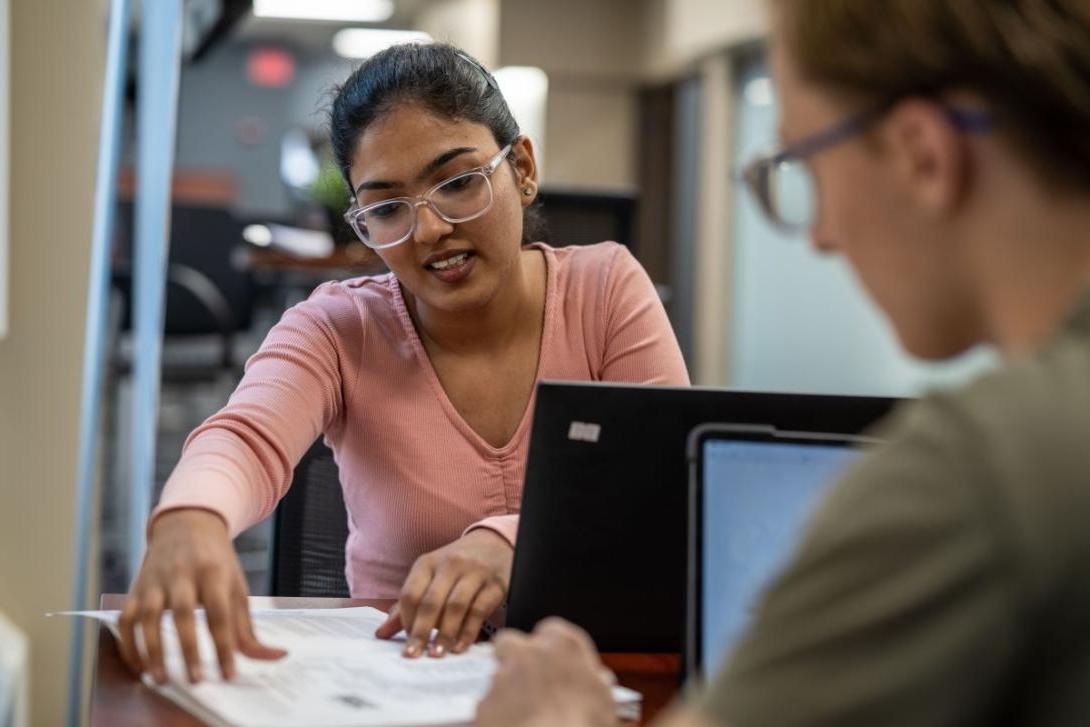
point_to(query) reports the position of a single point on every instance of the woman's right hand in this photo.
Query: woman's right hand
(190, 562)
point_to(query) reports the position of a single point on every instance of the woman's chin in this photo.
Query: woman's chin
(466, 298)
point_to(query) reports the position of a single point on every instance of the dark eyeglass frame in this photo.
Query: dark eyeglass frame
(755, 174)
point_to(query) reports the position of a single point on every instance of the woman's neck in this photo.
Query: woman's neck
(513, 311)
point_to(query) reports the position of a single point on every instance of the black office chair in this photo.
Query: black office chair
(194, 307)
(209, 296)
(310, 529)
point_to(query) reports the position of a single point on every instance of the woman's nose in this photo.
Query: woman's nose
(430, 227)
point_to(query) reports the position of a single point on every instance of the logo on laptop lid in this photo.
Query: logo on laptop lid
(584, 432)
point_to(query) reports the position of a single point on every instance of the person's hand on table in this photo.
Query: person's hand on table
(189, 563)
(452, 589)
(550, 677)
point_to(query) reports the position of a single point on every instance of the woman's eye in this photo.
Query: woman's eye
(458, 184)
(383, 210)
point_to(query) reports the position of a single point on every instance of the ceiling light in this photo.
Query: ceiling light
(347, 11)
(365, 42)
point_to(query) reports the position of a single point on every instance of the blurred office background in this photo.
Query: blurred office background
(642, 111)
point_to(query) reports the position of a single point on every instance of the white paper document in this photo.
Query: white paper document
(336, 674)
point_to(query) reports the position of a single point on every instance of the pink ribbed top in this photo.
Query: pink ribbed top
(348, 362)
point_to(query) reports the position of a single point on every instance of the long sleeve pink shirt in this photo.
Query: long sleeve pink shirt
(348, 362)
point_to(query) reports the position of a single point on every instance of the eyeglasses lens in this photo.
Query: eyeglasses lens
(789, 194)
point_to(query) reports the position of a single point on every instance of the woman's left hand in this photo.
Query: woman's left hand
(453, 589)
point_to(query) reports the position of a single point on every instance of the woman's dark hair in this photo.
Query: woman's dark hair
(439, 77)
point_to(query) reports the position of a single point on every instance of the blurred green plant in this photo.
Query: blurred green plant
(330, 192)
(329, 189)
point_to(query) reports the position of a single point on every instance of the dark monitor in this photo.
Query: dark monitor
(603, 532)
(575, 217)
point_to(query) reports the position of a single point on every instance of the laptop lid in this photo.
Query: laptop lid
(603, 532)
(752, 492)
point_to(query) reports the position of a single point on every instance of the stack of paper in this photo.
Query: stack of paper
(336, 673)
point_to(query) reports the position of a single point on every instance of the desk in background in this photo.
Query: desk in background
(118, 699)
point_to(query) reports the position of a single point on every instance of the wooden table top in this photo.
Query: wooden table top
(119, 699)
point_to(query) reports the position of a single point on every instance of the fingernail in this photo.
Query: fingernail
(461, 646)
(160, 676)
(412, 649)
(436, 650)
(197, 674)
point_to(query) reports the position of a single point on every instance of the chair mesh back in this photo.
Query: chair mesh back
(310, 530)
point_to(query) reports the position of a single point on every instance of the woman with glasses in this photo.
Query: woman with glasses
(941, 146)
(421, 380)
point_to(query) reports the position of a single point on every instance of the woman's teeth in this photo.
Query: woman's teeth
(450, 262)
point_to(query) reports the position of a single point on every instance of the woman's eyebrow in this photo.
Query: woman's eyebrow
(428, 169)
(436, 163)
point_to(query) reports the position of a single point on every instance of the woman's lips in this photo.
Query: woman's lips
(453, 268)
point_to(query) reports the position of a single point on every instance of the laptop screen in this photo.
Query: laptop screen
(757, 498)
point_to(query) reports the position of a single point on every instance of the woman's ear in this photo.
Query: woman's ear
(525, 165)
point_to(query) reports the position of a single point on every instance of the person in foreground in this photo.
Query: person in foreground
(946, 579)
(421, 380)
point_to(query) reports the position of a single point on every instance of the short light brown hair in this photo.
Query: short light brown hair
(1028, 59)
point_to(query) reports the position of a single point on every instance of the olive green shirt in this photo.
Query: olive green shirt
(946, 578)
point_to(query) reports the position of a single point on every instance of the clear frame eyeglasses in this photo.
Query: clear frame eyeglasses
(781, 181)
(461, 198)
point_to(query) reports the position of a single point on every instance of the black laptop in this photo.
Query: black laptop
(752, 492)
(603, 533)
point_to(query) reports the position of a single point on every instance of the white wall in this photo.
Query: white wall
(58, 51)
(681, 32)
(593, 55)
(591, 135)
(472, 25)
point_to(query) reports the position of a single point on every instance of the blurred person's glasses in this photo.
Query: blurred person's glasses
(783, 185)
(461, 198)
